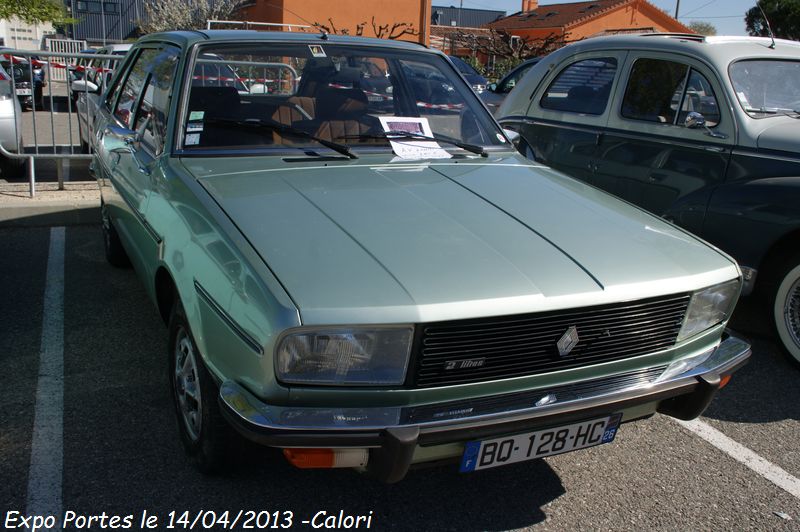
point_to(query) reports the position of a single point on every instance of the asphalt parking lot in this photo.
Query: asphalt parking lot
(112, 444)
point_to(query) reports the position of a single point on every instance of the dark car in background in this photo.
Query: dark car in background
(495, 93)
(704, 131)
(29, 81)
(475, 80)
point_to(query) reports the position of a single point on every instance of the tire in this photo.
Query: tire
(115, 253)
(84, 144)
(204, 433)
(13, 168)
(784, 301)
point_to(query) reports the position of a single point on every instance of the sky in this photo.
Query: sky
(726, 15)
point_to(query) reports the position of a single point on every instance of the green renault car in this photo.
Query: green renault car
(368, 275)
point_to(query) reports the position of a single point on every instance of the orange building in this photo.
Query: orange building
(580, 20)
(408, 20)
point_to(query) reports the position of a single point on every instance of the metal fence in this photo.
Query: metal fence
(59, 117)
(64, 46)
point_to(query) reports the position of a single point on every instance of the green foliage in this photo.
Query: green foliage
(702, 27)
(475, 63)
(783, 16)
(503, 66)
(34, 11)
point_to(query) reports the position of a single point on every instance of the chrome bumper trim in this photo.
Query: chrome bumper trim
(248, 411)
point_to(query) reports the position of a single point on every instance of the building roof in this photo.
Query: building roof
(564, 15)
(466, 18)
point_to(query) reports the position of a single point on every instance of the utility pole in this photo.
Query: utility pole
(460, 7)
(677, 8)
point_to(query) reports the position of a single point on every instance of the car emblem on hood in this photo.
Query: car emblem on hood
(568, 341)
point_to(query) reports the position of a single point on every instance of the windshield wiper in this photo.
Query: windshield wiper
(408, 135)
(284, 129)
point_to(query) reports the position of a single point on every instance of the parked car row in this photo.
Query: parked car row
(376, 286)
(704, 132)
(29, 80)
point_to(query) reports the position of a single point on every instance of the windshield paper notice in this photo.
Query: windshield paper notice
(409, 148)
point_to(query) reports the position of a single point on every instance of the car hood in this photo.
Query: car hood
(363, 243)
(781, 136)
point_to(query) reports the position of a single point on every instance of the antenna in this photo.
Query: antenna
(323, 34)
(769, 28)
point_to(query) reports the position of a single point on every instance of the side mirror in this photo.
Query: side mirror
(83, 85)
(511, 134)
(694, 120)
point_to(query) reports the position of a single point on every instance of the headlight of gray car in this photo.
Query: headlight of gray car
(345, 357)
(708, 307)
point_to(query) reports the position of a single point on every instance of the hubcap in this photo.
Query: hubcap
(791, 312)
(187, 386)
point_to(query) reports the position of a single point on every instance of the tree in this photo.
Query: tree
(703, 28)
(503, 45)
(397, 30)
(34, 11)
(783, 16)
(166, 15)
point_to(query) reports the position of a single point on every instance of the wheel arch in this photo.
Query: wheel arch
(786, 246)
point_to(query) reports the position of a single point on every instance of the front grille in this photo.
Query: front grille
(510, 402)
(465, 351)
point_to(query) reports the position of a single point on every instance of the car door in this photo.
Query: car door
(137, 108)
(569, 110)
(648, 155)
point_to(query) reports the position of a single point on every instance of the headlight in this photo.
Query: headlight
(345, 357)
(709, 307)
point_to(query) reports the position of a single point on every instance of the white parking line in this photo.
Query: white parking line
(47, 450)
(739, 452)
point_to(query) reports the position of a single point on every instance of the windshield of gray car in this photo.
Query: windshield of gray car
(287, 96)
(766, 87)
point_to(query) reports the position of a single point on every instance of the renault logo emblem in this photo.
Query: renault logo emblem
(568, 341)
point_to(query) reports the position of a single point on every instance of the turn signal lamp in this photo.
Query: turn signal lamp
(326, 458)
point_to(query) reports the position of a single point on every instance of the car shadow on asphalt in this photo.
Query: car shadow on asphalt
(766, 389)
(503, 498)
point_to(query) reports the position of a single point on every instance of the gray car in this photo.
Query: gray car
(702, 131)
(10, 128)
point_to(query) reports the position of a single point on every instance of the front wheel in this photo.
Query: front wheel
(205, 435)
(785, 303)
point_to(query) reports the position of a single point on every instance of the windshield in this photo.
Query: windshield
(766, 87)
(254, 97)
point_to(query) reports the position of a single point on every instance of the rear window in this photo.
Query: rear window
(582, 87)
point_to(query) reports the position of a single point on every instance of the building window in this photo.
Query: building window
(80, 6)
(111, 7)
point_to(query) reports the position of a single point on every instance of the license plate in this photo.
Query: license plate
(547, 442)
(23, 92)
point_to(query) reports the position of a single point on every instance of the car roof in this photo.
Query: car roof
(124, 47)
(714, 50)
(194, 36)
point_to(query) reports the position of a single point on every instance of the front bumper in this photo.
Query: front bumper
(393, 433)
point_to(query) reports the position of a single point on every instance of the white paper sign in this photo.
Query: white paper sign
(409, 148)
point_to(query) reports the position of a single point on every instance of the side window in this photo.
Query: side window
(132, 88)
(151, 117)
(582, 87)
(511, 81)
(666, 91)
(116, 89)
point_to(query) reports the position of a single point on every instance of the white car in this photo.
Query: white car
(10, 128)
(89, 90)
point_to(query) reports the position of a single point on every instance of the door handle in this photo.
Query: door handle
(655, 177)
